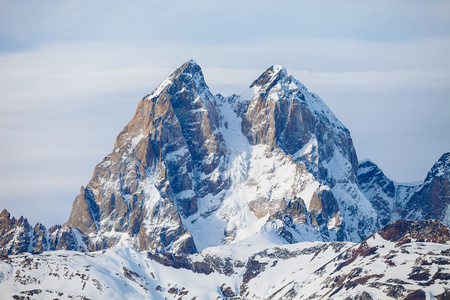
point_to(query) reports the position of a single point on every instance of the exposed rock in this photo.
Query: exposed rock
(379, 189)
(416, 295)
(404, 231)
(152, 177)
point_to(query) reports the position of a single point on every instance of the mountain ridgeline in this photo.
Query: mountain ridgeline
(192, 170)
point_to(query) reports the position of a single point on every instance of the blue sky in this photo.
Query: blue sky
(72, 73)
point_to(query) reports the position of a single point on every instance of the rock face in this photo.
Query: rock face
(283, 114)
(405, 231)
(379, 189)
(192, 170)
(428, 200)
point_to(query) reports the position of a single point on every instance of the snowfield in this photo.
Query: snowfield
(247, 269)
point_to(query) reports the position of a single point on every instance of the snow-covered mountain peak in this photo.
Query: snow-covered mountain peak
(275, 82)
(367, 161)
(270, 77)
(192, 170)
(369, 170)
(187, 80)
(204, 184)
(277, 85)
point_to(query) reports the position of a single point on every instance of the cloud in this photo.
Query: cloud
(81, 69)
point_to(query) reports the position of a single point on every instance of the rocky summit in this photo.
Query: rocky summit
(194, 172)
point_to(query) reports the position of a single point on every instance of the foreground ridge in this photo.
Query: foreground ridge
(390, 264)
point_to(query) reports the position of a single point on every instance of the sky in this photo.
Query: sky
(73, 72)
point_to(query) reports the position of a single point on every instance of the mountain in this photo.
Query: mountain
(403, 260)
(252, 196)
(392, 201)
(193, 170)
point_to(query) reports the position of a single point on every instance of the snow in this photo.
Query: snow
(366, 160)
(79, 239)
(307, 268)
(256, 175)
(160, 88)
(307, 150)
(137, 139)
(260, 179)
(308, 193)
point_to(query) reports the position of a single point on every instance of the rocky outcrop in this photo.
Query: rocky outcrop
(172, 172)
(404, 260)
(18, 236)
(405, 231)
(287, 118)
(371, 268)
(282, 113)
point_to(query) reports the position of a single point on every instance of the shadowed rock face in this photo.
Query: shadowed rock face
(379, 189)
(405, 231)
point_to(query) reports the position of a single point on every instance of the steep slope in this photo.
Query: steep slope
(423, 201)
(379, 189)
(401, 260)
(162, 162)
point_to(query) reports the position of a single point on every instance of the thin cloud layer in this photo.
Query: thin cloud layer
(61, 70)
